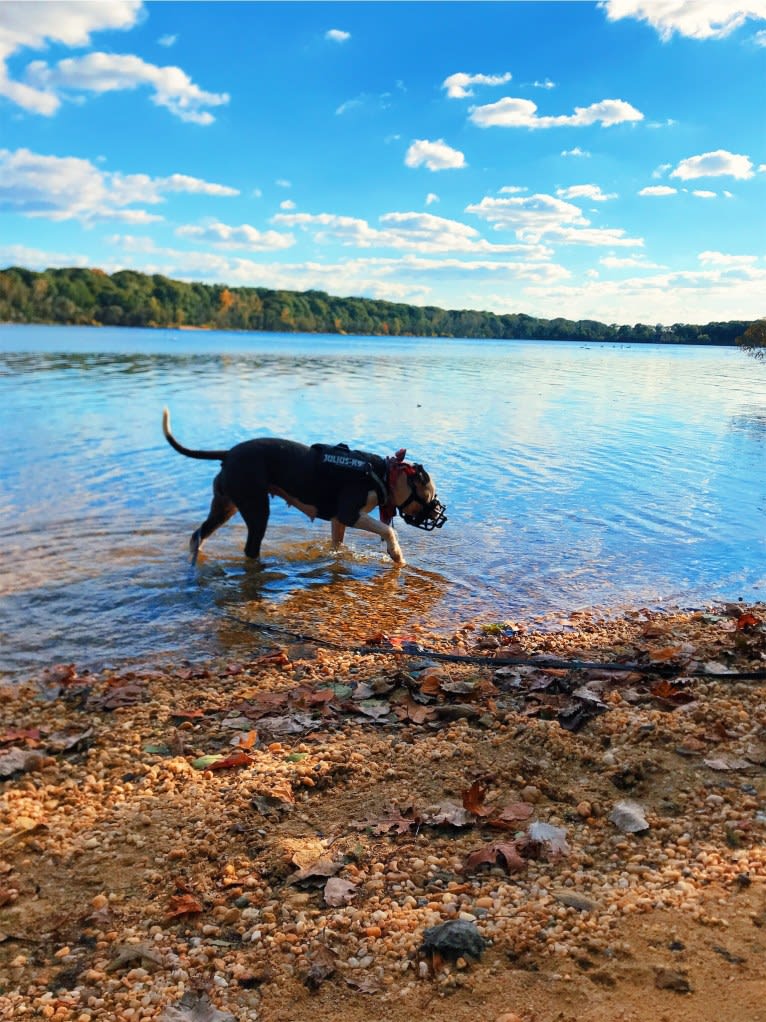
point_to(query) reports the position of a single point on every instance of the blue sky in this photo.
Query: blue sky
(585, 160)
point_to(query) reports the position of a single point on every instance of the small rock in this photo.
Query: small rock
(628, 817)
(669, 979)
(452, 940)
(573, 900)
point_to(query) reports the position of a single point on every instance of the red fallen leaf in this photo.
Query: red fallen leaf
(430, 684)
(247, 740)
(187, 714)
(746, 622)
(473, 799)
(62, 674)
(312, 696)
(183, 905)
(278, 659)
(666, 653)
(235, 759)
(509, 817)
(674, 693)
(408, 709)
(504, 852)
(377, 639)
(28, 735)
(396, 820)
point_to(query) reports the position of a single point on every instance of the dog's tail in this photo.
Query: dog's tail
(204, 455)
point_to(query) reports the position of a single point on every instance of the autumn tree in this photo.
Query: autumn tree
(753, 340)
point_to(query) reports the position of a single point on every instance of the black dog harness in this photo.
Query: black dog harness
(338, 466)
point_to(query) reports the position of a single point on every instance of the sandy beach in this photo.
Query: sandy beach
(285, 837)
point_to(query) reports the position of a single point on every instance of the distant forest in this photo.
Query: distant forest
(127, 298)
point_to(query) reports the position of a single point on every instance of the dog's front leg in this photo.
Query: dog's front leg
(338, 532)
(369, 524)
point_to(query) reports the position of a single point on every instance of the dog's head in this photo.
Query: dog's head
(422, 508)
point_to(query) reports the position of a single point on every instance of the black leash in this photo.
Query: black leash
(414, 649)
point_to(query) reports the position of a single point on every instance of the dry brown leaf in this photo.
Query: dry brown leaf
(504, 852)
(183, 905)
(473, 799)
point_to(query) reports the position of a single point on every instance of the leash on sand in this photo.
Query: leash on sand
(414, 649)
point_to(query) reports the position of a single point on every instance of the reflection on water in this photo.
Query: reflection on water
(573, 477)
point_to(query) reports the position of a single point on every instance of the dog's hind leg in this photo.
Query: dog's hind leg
(255, 511)
(221, 510)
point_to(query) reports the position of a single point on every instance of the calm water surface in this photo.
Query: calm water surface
(574, 475)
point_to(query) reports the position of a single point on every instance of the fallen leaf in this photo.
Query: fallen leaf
(506, 852)
(629, 817)
(277, 659)
(473, 799)
(448, 813)
(393, 820)
(512, 814)
(29, 735)
(317, 870)
(727, 763)
(194, 1007)
(666, 653)
(17, 760)
(183, 905)
(321, 967)
(338, 892)
(746, 622)
(545, 837)
(130, 955)
(235, 759)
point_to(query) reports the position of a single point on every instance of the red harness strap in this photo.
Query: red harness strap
(397, 467)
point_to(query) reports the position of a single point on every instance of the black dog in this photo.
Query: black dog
(329, 482)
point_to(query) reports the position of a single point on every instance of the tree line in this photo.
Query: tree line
(127, 298)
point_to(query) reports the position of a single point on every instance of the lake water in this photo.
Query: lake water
(575, 475)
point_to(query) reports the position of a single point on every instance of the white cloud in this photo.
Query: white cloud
(244, 236)
(662, 170)
(287, 204)
(545, 84)
(282, 182)
(32, 26)
(37, 259)
(592, 192)
(522, 113)
(193, 185)
(458, 86)
(701, 193)
(612, 262)
(434, 155)
(696, 19)
(577, 151)
(545, 219)
(512, 189)
(760, 38)
(658, 190)
(71, 23)
(722, 259)
(337, 35)
(110, 72)
(431, 198)
(168, 40)
(421, 232)
(716, 164)
(688, 296)
(67, 188)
